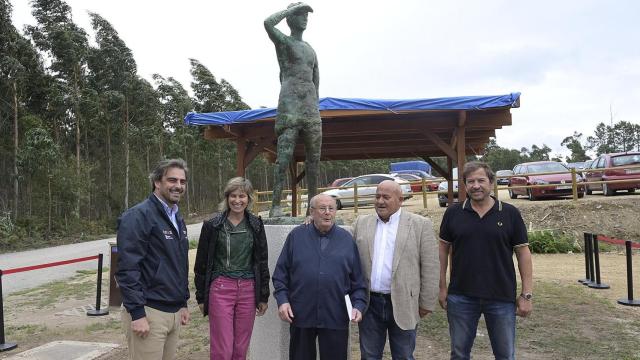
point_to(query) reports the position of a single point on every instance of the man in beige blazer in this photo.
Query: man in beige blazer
(399, 257)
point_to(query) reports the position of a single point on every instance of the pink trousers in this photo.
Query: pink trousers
(232, 311)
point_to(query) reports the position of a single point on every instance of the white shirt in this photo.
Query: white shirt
(171, 212)
(383, 248)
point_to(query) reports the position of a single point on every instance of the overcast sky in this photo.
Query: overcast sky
(572, 60)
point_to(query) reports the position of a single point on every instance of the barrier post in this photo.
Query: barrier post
(592, 276)
(629, 301)
(4, 346)
(596, 255)
(97, 311)
(585, 250)
(574, 184)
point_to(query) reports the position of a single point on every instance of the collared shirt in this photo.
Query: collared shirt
(482, 249)
(383, 248)
(171, 212)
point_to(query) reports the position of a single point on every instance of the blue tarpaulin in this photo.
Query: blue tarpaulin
(450, 103)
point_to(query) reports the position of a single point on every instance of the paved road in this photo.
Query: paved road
(30, 279)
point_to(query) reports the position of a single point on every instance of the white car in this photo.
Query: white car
(366, 189)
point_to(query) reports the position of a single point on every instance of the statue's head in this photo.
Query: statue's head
(298, 20)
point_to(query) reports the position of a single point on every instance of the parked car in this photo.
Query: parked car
(411, 176)
(338, 182)
(366, 189)
(503, 180)
(578, 165)
(443, 188)
(609, 161)
(560, 184)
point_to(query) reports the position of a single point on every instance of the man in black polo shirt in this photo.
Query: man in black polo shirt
(483, 233)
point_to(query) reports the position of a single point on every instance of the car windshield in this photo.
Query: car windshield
(626, 160)
(546, 167)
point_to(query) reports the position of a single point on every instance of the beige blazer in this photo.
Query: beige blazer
(415, 269)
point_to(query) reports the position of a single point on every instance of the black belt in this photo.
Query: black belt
(380, 295)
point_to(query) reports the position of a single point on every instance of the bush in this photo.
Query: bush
(551, 242)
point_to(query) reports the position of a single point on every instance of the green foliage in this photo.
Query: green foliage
(577, 151)
(621, 136)
(551, 242)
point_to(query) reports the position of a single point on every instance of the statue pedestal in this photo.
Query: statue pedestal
(270, 338)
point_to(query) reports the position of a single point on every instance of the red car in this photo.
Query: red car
(609, 161)
(339, 182)
(416, 182)
(560, 184)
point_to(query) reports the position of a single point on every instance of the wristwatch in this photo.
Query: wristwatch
(527, 296)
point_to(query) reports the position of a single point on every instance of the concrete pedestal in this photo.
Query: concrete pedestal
(270, 338)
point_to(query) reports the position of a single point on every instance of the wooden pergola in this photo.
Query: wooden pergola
(358, 134)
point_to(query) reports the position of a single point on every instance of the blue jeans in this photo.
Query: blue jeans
(463, 313)
(377, 320)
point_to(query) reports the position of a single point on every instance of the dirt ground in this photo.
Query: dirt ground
(57, 311)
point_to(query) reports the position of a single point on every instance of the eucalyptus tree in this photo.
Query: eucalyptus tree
(212, 96)
(113, 75)
(21, 90)
(66, 46)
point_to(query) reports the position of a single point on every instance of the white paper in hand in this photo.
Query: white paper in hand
(347, 301)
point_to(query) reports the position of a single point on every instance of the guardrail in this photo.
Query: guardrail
(359, 200)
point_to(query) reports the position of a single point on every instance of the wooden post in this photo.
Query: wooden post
(241, 146)
(355, 198)
(574, 184)
(424, 193)
(460, 145)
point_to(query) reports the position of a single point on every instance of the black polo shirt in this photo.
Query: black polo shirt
(482, 250)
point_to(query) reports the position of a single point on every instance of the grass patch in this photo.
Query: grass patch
(80, 286)
(568, 322)
(111, 324)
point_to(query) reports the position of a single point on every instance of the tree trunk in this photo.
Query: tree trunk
(49, 205)
(188, 183)
(126, 153)
(109, 167)
(16, 193)
(76, 112)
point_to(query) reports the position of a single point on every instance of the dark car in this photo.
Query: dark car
(559, 184)
(611, 161)
(503, 180)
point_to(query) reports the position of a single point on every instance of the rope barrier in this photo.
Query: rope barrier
(42, 266)
(4, 346)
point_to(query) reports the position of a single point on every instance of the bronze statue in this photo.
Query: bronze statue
(298, 112)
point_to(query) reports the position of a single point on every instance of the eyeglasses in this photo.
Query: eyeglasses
(325, 209)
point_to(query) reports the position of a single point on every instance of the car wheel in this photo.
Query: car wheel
(442, 204)
(512, 194)
(606, 190)
(530, 195)
(338, 204)
(580, 195)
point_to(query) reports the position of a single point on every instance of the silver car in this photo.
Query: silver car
(366, 189)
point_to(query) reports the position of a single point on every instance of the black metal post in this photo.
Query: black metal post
(4, 346)
(592, 276)
(629, 300)
(596, 256)
(586, 260)
(97, 311)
